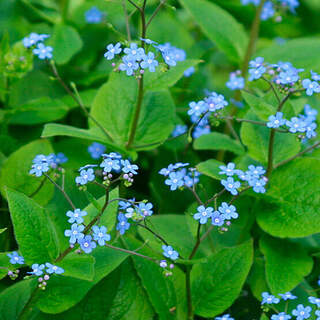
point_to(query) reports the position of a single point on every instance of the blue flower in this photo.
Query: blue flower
(85, 176)
(269, 298)
(123, 224)
(86, 244)
(96, 150)
(76, 216)
(127, 167)
(123, 205)
(169, 252)
(257, 185)
(281, 316)
(200, 131)
(39, 168)
(148, 41)
(179, 165)
(203, 214)
(149, 62)
(311, 86)
(53, 269)
(302, 312)
(315, 301)
(165, 171)
(288, 77)
(276, 121)
(255, 2)
(267, 11)
(215, 102)
(317, 313)
(231, 185)
(310, 113)
(33, 39)
(310, 130)
(315, 76)
(296, 125)
(93, 15)
(256, 73)
(75, 233)
(111, 155)
(129, 65)
(100, 235)
(179, 130)
(235, 82)
(15, 258)
(134, 53)
(229, 211)
(197, 108)
(217, 219)
(37, 270)
(42, 51)
(175, 180)
(287, 296)
(145, 209)
(258, 62)
(59, 158)
(190, 71)
(224, 317)
(112, 50)
(110, 164)
(228, 170)
(255, 171)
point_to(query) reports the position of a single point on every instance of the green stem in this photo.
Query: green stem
(188, 292)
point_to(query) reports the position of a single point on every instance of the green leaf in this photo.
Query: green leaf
(210, 168)
(302, 53)
(5, 264)
(66, 42)
(256, 138)
(259, 106)
(109, 216)
(160, 290)
(114, 107)
(15, 172)
(257, 278)
(216, 284)
(78, 266)
(163, 79)
(219, 26)
(14, 298)
(33, 229)
(218, 141)
(287, 263)
(38, 111)
(294, 190)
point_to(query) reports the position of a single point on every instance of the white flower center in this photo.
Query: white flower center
(86, 244)
(100, 234)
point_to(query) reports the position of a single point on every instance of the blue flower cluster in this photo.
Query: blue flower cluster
(130, 209)
(76, 233)
(178, 176)
(253, 177)
(285, 75)
(112, 164)
(35, 41)
(273, 8)
(304, 124)
(301, 312)
(200, 111)
(136, 59)
(236, 82)
(93, 15)
(218, 217)
(42, 163)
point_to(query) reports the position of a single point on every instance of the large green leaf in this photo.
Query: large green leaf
(14, 298)
(256, 138)
(160, 290)
(33, 229)
(219, 26)
(114, 107)
(286, 264)
(294, 190)
(15, 172)
(211, 168)
(217, 283)
(303, 53)
(66, 42)
(163, 79)
(218, 141)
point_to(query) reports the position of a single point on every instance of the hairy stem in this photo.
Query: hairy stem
(124, 5)
(161, 4)
(154, 233)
